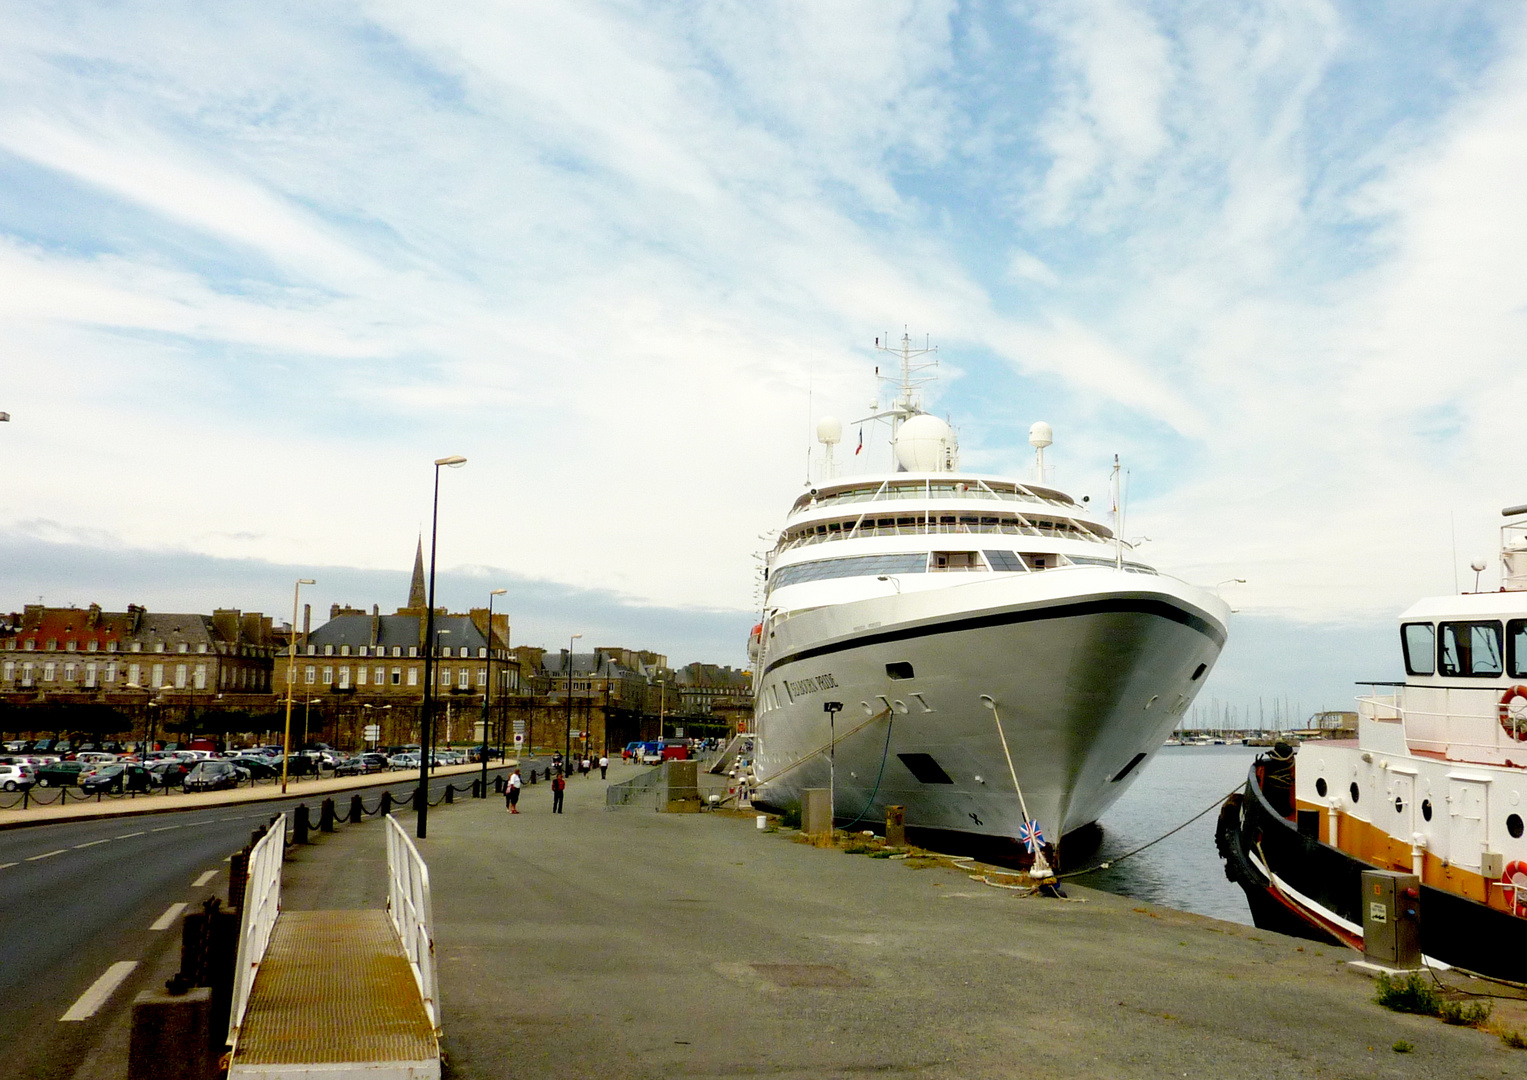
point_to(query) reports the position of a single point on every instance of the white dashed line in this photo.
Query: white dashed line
(128, 836)
(91, 1000)
(48, 855)
(208, 876)
(170, 915)
(6, 865)
(92, 843)
(165, 828)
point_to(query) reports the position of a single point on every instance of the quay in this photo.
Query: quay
(628, 943)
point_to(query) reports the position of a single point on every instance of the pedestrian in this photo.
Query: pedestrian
(588, 766)
(512, 792)
(558, 785)
(604, 765)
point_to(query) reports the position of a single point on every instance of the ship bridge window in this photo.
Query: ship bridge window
(956, 560)
(1006, 561)
(914, 562)
(1516, 648)
(1420, 642)
(1471, 649)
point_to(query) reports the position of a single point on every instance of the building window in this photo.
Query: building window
(180, 676)
(397, 675)
(344, 677)
(397, 650)
(310, 675)
(111, 672)
(183, 647)
(69, 646)
(413, 650)
(328, 650)
(68, 673)
(137, 647)
(463, 675)
(482, 653)
(26, 674)
(92, 646)
(482, 676)
(445, 676)
(47, 672)
(159, 646)
(201, 676)
(10, 670)
(413, 676)
(328, 676)
(31, 645)
(111, 646)
(201, 648)
(222, 678)
(157, 676)
(52, 646)
(133, 672)
(360, 675)
(344, 650)
(381, 676)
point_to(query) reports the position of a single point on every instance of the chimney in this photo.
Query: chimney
(333, 611)
(307, 621)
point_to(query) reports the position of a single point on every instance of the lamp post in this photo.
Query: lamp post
(421, 796)
(291, 680)
(487, 694)
(567, 742)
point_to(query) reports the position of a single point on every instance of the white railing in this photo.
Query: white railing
(408, 906)
(1461, 722)
(262, 904)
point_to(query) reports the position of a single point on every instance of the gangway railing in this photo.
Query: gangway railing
(411, 914)
(262, 905)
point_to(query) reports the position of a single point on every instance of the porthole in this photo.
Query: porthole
(1426, 809)
(1399, 806)
(1352, 790)
(1320, 787)
(1198, 672)
(1514, 826)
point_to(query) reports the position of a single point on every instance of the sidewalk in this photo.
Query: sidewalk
(318, 790)
(637, 944)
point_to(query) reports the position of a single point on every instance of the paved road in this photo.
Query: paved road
(87, 901)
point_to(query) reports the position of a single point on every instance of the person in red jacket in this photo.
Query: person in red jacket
(558, 785)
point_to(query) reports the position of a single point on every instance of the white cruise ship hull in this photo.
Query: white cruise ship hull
(1088, 669)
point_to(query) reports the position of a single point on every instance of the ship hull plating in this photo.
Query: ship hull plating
(1084, 688)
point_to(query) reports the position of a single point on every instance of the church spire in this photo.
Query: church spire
(416, 598)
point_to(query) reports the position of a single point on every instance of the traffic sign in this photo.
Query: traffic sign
(518, 738)
(373, 731)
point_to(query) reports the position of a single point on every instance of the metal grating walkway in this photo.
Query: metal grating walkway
(335, 989)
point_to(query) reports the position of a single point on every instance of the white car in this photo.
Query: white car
(16, 776)
(96, 757)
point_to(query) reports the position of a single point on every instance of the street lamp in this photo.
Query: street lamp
(291, 680)
(421, 797)
(487, 694)
(567, 742)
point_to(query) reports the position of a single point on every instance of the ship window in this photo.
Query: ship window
(1198, 672)
(1352, 789)
(899, 670)
(1426, 809)
(1516, 647)
(1006, 561)
(1471, 649)
(1320, 786)
(855, 566)
(1420, 642)
(955, 560)
(1514, 826)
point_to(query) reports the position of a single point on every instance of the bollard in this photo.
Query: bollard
(326, 816)
(450, 793)
(895, 826)
(499, 783)
(300, 822)
(238, 878)
(386, 807)
(357, 808)
(170, 1036)
(532, 776)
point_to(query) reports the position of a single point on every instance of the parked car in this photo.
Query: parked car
(211, 776)
(403, 761)
(60, 774)
(95, 758)
(360, 764)
(168, 772)
(117, 778)
(13, 777)
(258, 768)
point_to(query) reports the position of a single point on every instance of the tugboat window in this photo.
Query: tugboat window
(1514, 826)
(1352, 790)
(1426, 809)
(1420, 642)
(1516, 647)
(1320, 786)
(1399, 806)
(1471, 649)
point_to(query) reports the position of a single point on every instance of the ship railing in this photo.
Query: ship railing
(973, 491)
(1440, 718)
(932, 529)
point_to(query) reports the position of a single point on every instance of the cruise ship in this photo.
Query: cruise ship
(987, 653)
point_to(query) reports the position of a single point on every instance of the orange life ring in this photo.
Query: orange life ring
(1516, 876)
(1516, 728)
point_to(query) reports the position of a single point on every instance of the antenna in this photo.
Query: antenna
(829, 434)
(1040, 436)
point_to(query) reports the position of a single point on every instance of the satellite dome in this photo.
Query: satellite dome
(1040, 435)
(829, 430)
(924, 443)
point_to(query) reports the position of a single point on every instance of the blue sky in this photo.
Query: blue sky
(261, 264)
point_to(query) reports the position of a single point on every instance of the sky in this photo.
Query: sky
(262, 264)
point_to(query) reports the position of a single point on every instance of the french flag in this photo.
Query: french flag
(861, 443)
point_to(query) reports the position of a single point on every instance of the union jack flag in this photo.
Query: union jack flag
(1031, 835)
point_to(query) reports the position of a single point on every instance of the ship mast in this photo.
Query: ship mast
(906, 401)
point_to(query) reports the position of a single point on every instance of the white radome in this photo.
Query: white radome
(829, 430)
(1041, 435)
(924, 443)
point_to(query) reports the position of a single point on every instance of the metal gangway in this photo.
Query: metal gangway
(336, 993)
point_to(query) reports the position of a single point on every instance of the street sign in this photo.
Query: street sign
(518, 738)
(373, 731)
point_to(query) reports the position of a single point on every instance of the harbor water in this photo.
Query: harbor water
(1183, 871)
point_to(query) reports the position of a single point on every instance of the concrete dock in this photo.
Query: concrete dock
(636, 944)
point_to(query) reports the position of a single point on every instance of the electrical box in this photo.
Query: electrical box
(1392, 919)
(1492, 865)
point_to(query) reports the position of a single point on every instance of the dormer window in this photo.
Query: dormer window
(92, 646)
(52, 646)
(201, 647)
(344, 650)
(413, 650)
(111, 646)
(328, 650)
(312, 650)
(31, 645)
(183, 647)
(70, 646)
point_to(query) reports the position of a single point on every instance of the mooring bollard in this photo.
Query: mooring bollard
(895, 826)
(532, 776)
(386, 807)
(450, 793)
(326, 816)
(300, 821)
(499, 782)
(357, 808)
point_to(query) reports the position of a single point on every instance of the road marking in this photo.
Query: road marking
(208, 876)
(165, 828)
(6, 865)
(170, 915)
(91, 1000)
(92, 843)
(49, 855)
(128, 836)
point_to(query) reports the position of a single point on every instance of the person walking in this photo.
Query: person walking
(512, 792)
(558, 786)
(604, 765)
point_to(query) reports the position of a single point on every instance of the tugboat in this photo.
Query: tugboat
(1435, 785)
